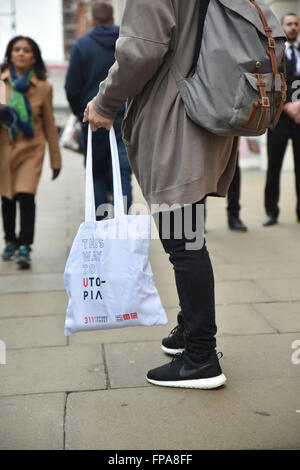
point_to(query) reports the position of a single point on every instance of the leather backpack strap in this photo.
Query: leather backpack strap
(271, 41)
(264, 102)
(252, 113)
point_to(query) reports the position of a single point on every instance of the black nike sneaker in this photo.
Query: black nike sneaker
(174, 343)
(184, 373)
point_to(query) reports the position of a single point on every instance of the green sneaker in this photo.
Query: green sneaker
(9, 251)
(24, 260)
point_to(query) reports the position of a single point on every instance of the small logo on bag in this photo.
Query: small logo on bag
(130, 316)
(95, 319)
(126, 317)
(133, 316)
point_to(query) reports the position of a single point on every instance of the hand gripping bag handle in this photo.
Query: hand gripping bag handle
(118, 194)
(90, 210)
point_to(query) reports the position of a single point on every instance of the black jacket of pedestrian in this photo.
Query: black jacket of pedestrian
(91, 58)
(291, 76)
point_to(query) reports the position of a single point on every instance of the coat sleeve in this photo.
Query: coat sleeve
(50, 130)
(74, 82)
(145, 36)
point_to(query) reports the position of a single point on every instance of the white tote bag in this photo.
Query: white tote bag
(108, 277)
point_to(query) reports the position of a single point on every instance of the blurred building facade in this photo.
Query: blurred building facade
(55, 24)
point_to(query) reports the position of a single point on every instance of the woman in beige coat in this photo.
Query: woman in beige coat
(30, 123)
(175, 162)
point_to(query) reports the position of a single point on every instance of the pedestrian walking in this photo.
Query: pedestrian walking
(30, 122)
(91, 58)
(286, 128)
(176, 162)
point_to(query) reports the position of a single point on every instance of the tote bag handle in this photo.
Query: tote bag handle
(90, 211)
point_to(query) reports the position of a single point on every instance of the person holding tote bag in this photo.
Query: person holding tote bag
(30, 124)
(175, 162)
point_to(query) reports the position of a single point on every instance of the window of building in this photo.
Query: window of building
(70, 9)
(75, 20)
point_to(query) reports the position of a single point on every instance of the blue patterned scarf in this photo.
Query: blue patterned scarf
(20, 106)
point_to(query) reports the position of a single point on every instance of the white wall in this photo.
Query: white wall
(39, 19)
(42, 20)
(6, 26)
(118, 9)
(280, 7)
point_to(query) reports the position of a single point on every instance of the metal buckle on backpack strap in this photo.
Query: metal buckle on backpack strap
(271, 43)
(265, 102)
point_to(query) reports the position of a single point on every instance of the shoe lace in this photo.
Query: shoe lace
(176, 357)
(175, 330)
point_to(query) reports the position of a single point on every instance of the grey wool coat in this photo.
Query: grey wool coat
(174, 160)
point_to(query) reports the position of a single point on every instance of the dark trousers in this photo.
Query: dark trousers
(277, 142)
(27, 218)
(195, 286)
(102, 170)
(233, 196)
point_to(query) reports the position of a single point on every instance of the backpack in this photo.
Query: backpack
(236, 88)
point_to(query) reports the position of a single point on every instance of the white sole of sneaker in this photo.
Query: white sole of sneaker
(204, 384)
(172, 352)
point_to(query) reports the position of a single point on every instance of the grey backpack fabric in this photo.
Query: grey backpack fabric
(236, 88)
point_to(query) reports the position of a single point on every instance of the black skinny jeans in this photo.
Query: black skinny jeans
(195, 286)
(27, 218)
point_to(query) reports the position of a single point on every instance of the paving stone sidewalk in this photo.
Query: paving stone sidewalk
(89, 391)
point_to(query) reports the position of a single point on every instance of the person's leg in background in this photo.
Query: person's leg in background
(198, 365)
(277, 143)
(233, 205)
(9, 227)
(101, 171)
(296, 149)
(27, 225)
